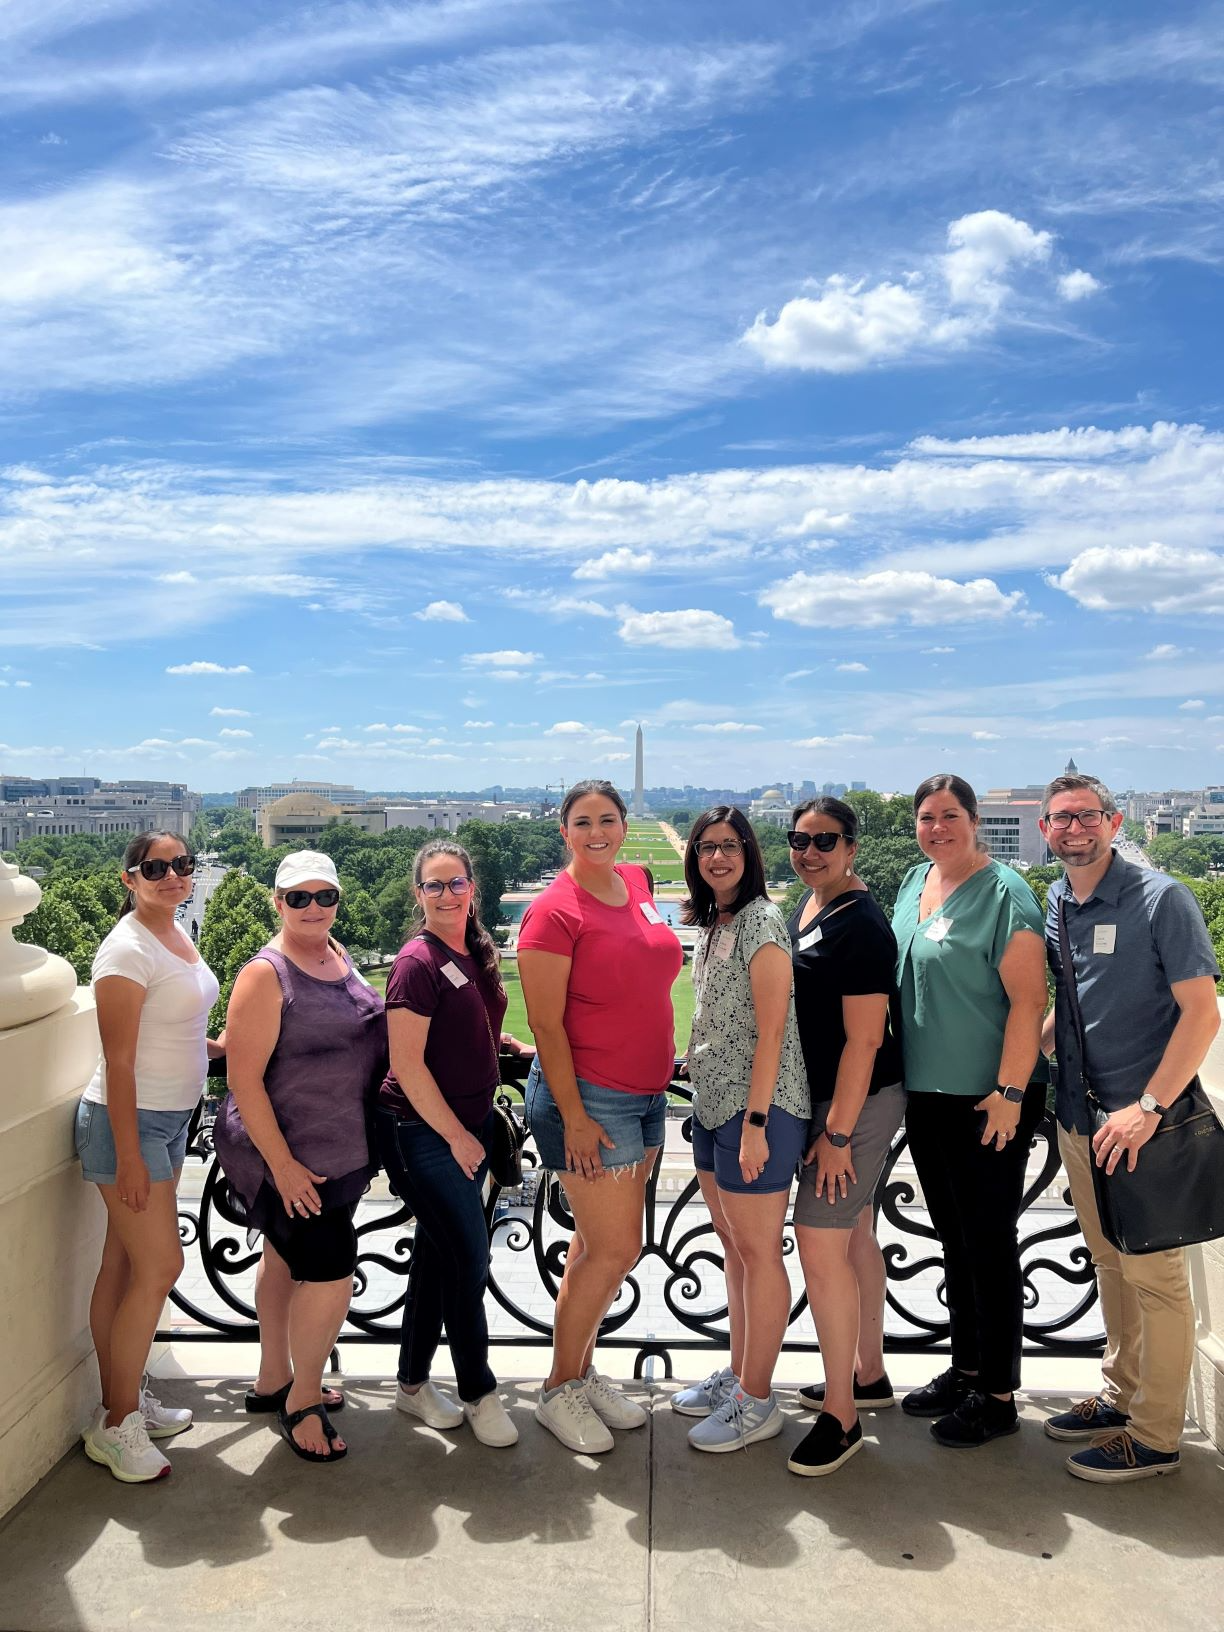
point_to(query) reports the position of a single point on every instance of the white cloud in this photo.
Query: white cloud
(1077, 285)
(616, 563)
(937, 651)
(23, 685)
(852, 668)
(727, 728)
(956, 298)
(1164, 652)
(478, 725)
(567, 728)
(502, 660)
(834, 600)
(557, 605)
(381, 726)
(442, 612)
(177, 578)
(230, 713)
(688, 630)
(845, 739)
(986, 736)
(207, 668)
(234, 731)
(1154, 577)
(407, 730)
(1191, 704)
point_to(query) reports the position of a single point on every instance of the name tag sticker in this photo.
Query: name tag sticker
(810, 939)
(724, 944)
(454, 974)
(939, 929)
(1104, 937)
(650, 912)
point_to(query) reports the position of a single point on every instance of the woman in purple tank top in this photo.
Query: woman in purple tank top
(306, 1043)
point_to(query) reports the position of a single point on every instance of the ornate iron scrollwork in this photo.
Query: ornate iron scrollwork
(680, 1250)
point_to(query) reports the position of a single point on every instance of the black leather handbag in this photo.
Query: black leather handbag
(505, 1146)
(1175, 1196)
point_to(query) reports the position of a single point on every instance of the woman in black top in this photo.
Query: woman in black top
(844, 959)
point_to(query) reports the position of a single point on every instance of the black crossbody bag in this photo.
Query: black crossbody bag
(1175, 1196)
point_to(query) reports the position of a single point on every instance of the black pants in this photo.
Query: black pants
(450, 1257)
(973, 1194)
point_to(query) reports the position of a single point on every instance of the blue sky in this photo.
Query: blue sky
(412, 395)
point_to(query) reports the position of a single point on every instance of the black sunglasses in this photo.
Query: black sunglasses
(824, 842)
(156, 869)
(297, 899)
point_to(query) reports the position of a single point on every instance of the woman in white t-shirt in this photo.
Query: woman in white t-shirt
(153, 995)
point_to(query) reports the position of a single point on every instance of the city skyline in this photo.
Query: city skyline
(424, 395)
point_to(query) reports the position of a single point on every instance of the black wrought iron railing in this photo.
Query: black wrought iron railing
(675, 1298)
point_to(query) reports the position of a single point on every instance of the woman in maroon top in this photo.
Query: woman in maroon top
(597, 964)
(445, 1007)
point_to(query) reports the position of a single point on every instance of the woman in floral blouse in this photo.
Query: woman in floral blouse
(751, 1116)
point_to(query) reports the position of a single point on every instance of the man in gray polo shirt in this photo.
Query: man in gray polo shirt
(1145, 974)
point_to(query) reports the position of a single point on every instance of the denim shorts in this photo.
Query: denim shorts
(716, 1150)
(635, 1123)
(163, 1142)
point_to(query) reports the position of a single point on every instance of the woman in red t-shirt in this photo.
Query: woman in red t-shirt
(597, 964)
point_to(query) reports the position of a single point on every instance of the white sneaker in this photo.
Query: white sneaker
(434, 1409)
(95, 1422)
(162, 1421)
(569, 1414)
(490, 1421)
(127, 1451)
(612, 1408)
(704, 1398)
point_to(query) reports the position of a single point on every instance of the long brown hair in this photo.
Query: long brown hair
(479, 942)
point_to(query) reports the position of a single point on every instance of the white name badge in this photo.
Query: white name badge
(454, 974)
(810, 939)
(939, 929)
(650, 912)
(1104, 937)
(724, 944)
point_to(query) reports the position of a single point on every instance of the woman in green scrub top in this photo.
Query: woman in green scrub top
(971, 976)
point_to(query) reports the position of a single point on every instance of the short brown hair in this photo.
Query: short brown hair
(1078, 784)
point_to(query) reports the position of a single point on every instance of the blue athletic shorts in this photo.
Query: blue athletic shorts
(716, 1150)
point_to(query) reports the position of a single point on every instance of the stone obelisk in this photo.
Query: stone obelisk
(639, 798)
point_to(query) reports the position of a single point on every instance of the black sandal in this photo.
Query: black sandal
(259, 1403)
(287, 1421)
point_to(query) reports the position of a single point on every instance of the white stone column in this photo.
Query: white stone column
(51, 1224)
(1207, 1284)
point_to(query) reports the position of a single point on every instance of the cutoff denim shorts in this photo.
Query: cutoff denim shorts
(635, 1123)
(163, 1142)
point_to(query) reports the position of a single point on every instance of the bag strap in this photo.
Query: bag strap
(1068, 965)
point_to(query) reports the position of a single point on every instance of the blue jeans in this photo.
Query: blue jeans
(450, 1257)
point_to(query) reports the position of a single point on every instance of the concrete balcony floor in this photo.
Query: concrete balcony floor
(429, 1530)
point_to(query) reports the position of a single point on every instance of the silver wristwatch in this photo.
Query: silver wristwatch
(1149, 1103)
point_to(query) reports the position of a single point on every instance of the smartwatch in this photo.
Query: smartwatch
(757, 1119)
(1013, 1095)
(1149, 1103)
(839, 1141)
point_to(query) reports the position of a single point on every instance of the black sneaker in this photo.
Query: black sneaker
(867, 1396)
(825, 1448)
(977, 1419)
(941, 1395)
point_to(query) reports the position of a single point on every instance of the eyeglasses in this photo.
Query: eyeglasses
(435, 888)
(824, 842)
(156, 869)
(729, 848)
(1088, 819)
(297, 899)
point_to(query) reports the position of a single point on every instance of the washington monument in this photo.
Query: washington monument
(639, 801)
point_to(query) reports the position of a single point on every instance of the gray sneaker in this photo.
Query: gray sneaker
(703, 1399)
(739, 1421)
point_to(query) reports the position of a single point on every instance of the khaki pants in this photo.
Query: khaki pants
(1148, 1313)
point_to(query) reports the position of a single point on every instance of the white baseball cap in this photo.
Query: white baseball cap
(303, 866)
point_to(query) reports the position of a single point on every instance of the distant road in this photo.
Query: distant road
(1133, 852)
(673, 838)
(205, 879)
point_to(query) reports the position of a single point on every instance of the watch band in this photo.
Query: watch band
(1150, 1104)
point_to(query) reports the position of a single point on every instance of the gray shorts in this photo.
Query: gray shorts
(870, 1143)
